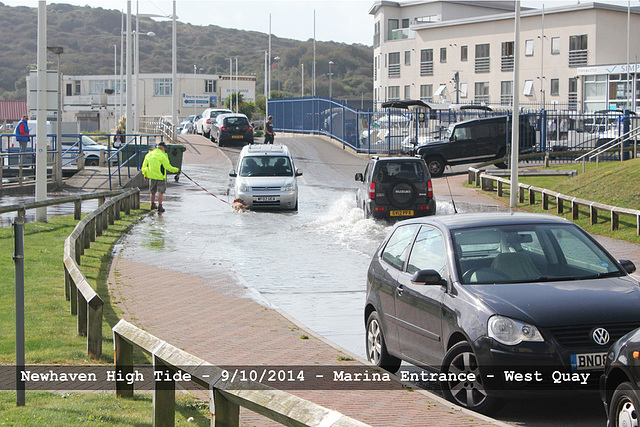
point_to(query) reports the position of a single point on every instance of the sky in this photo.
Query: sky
(346, 21)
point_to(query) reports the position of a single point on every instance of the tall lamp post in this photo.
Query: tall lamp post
(57, 170)
(302, 85)
(277, 61)
(136, 35)
(330, 82)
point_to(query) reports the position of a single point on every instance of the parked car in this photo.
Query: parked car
(475, 141)
(203, 125)
(478, 293)
(266, 177)
(231, 127)
(188, 124)
(620, 383)
(90, 148)
(395, 188)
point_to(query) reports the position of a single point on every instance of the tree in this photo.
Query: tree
(232, 99)
(248, 108)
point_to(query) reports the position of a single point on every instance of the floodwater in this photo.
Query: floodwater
(57, 210)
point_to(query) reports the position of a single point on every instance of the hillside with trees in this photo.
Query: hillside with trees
(88, 36)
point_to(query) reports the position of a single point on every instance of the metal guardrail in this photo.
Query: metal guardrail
(486, 183)
(278, 405)
(84, 300)
(614, 143)
(161, 125)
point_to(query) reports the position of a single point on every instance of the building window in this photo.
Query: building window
(405, 23)
(464, 90)
(573, 93)
(555, 87)
(482, 92)
(210, 86)
(555, 45)
(506, 92)
(464, 53)
(69, 91)
(393, 93)
(528, 48)
(528, 88)
(392, 25)
(76, 90)
(483, 60)
(407, 92)
(577, 51)
(162, 87)
(407, 57)
(375, 68)
(507, 56)
(426, 62)
(376, 34)
(443, 54)
(595, 92)
(394, 65)
(97, 87)
(426, 92)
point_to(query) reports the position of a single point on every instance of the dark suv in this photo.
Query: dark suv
(475, 141)
(395, 187)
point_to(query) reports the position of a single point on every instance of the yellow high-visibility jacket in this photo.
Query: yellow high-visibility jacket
(156, 164)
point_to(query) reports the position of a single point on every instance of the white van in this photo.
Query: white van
(266, 177)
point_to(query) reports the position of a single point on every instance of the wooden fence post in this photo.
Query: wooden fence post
(67, 284)
(82, 315)
(560, 204)
(73, 296)
(78, 247)
(127, 204)
(574, 210)
(101, 200)
(521, 191)
(124, 364)
(545, 201)
(164, 396)
(77, 209)
(615, 220)
(92, 230)
(86, 237)
(499, 188)
(227, 412)
(593, 213)
(111, 215)
(117, 208)
(532, 196)
(94, 327)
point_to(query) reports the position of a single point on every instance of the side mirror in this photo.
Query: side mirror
(359, 177)
(628, 266)
(232, 173)
(298, 172)
(428, 277)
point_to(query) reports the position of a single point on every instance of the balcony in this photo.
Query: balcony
(426, 68)
(394, 71)
(402, 34)
(483, 65)
(578, 58)
(507, 63)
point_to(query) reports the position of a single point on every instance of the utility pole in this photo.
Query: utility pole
(129, 113)
(456, 80)
(41, 127)
(515, 122)
(302, 86)
(174, 72)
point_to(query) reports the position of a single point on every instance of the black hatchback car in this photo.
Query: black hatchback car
(231, 127)
(497, 304)
(620, 383)
(395, 188)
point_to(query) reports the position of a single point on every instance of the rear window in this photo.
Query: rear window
(236, 121)
(393, 171)
(215, 114)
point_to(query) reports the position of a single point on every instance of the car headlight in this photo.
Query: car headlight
(289, 187)
(511, 332)
(243, 188)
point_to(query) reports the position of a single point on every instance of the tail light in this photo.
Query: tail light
(430, 189)
(250, 128)
(208, 121)
(222, 128)
(372, 191)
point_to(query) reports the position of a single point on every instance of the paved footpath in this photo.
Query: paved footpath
(215, 318)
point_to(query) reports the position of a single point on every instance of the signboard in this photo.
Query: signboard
(608, 69)
(52, 91)
(247, 94)
(199, 101)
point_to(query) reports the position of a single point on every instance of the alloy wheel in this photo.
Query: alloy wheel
(467, 393)
(374, 342)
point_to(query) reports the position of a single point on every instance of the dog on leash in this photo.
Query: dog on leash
(239, 205)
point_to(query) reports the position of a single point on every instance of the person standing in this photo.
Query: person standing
(154, 168)
(22, 132)
(269, 134)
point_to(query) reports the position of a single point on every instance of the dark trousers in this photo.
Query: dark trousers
(268, 138)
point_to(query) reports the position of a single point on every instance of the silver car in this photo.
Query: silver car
(266, 177)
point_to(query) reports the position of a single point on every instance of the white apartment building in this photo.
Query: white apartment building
(463, 51)
(96, 102)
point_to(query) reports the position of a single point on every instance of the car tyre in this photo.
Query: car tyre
(468, 394)
(92, 162)
(501, 154)
(206, 134)
(435, 166)
(376, 348)
(624, 406)
(220, 143)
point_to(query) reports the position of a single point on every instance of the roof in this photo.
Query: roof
(500, 5)
(13, 110)
(488, 220)
(265, 150)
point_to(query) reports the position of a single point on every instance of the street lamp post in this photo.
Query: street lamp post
(302, 85)
(57, 169)
(330, 82)
(277, 61)
(137, 74)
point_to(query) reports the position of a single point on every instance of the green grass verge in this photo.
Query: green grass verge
(612, 183)
(80, 409)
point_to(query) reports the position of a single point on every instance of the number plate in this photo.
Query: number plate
(588, 361)
(401, 213)
(266, 199)
(237, 136)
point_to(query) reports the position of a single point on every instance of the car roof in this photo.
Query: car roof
(264, 150)
(469, 220)
(399, 159)
(224, 116)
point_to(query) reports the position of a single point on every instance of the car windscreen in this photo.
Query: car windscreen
(236, 121)
(529, 253)
(393, 171)
(266, 166)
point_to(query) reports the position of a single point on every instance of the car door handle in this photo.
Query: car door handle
(400, 290)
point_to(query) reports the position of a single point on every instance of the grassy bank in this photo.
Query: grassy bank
(50, 330)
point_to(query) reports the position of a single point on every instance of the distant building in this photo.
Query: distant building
(463, 51)
(12, 111)
(97, 103)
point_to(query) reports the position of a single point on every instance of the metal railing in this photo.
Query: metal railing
(160, 125)
(613, 144)
(278, 405)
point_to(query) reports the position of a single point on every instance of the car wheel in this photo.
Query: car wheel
(501, 154)
(435, 165)
(220, 143)
(206, 134)
(624, 406)
(468, 394)
(92, 162)
(367, 213)
(376, 347)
